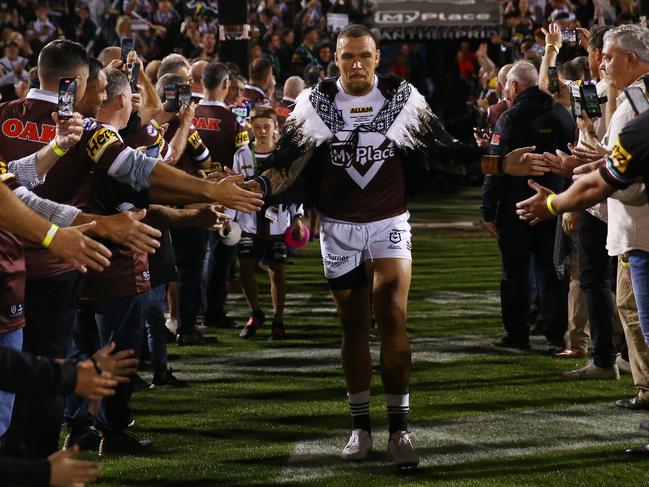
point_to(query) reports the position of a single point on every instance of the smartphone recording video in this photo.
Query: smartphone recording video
(128, 44)
(67, 97)
(133, 75)
(171, 99)
(184, 95)
(569, 35)
(590, 101)
(553, 81)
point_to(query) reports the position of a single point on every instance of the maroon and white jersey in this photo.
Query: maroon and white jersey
(12, 271)
(283, 109)
(222, 133)
(255, 96)
(363, 179)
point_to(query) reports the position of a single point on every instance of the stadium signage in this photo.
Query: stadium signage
(427, 34)
(436, 13)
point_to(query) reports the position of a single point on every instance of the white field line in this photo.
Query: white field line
(476, 438)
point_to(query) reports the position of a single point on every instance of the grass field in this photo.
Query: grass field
(274, 413)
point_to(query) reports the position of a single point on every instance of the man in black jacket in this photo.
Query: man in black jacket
(533, 119)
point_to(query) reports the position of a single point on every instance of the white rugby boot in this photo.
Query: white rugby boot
(358, 446)
(401, 450)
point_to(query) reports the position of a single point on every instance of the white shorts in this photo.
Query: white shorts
(346, 245)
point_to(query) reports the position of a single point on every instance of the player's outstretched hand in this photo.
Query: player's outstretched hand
(127, 229)
(535, 209)
(71, 245)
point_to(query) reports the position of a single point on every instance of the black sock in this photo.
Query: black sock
(398, 408)
(359, 406)
(362, 422)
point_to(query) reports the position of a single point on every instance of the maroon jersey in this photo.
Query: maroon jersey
(27, 124)
(70, 182)
(12, 271)
(195, 152)
(221, 131)
(283, 109)
(255, 96)
(149, 140)
(128, 272)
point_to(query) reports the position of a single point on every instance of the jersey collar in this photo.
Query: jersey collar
(217, 103)
(255, 88)
(43, 95)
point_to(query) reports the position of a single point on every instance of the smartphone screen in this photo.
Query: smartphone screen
(171, 102)
(67, 97)
(553, 80)
(184, 94)
(637, 99)
(133, 75)
(569, 35)
(128, 44)
(241, 112)
(590, 101)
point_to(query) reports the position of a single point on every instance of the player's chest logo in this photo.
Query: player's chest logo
(364, 160)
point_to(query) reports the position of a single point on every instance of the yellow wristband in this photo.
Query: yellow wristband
(556, 49)
(57, 150)
(50, 235)
(548, 203)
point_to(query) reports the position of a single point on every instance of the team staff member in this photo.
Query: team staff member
(188, 243)
(261, 80)
(534, 118)
(12, 265)
(227, 141)
(292, 88)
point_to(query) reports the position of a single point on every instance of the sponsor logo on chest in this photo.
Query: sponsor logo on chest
(363, 161)
(354, 110)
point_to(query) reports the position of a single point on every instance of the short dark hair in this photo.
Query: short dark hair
(597, 36)
(94, 67)
(214, 74)
(571, 71)
(60, 59)
(259, 69)
(117, 84)
(263, 112)
(356, 31)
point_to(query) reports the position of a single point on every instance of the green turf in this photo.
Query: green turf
(269, 413)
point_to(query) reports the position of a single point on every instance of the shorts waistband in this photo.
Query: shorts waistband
(326, 219)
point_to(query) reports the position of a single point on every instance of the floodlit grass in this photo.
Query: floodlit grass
(274, 413)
